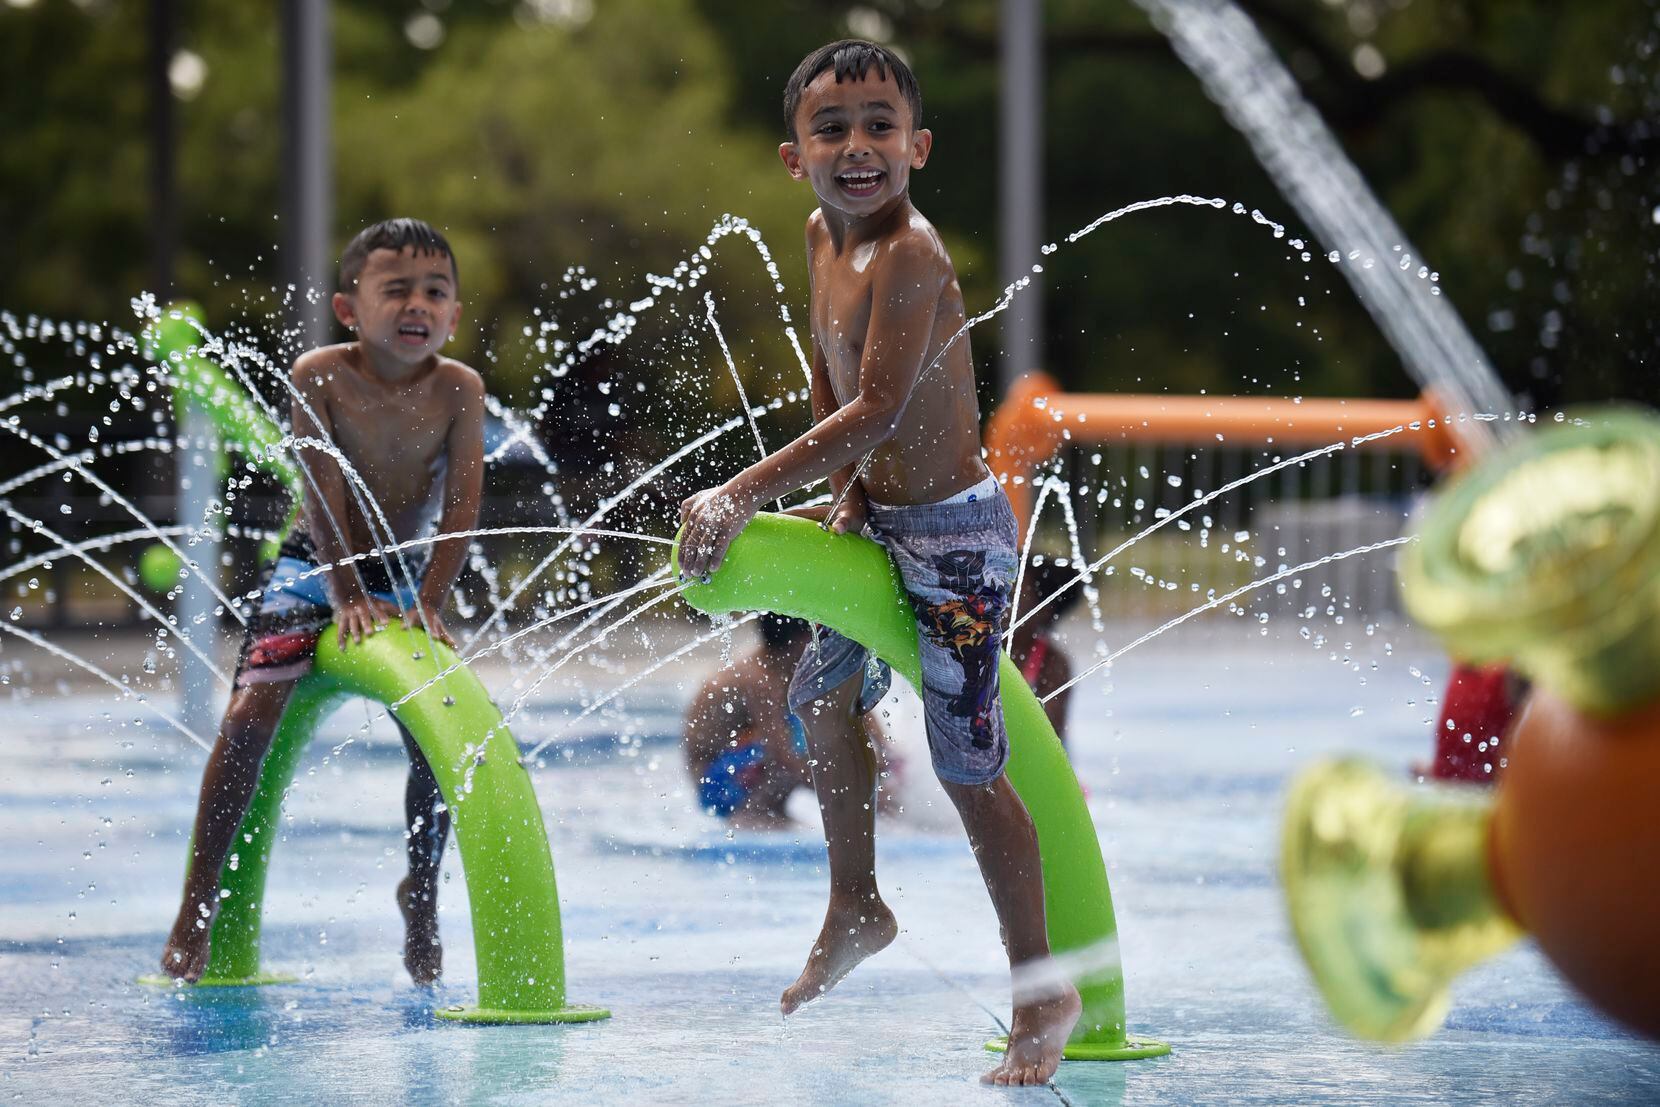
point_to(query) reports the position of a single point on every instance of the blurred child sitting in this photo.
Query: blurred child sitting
(746, 752)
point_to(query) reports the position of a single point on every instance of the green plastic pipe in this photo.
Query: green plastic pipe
(173, 340)
(240, 424)
(791, 566)
(505, 856)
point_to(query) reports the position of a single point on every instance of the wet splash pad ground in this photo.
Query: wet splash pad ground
(688, 936)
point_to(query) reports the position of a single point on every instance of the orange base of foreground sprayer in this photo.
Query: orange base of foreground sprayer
(1576, 850)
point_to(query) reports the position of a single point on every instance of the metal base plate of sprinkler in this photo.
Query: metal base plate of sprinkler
(491, 1016)
(1133, 1049)
(160, 980)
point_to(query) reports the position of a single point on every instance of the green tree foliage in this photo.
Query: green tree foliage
(1509, 138)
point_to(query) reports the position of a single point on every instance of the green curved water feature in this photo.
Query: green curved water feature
(498, 826)
(791, 566)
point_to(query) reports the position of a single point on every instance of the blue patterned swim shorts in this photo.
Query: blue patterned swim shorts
(958, 560)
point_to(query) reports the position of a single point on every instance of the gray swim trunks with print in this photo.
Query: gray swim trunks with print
(958, 562)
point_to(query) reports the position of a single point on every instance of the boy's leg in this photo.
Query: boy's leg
(1005, 842)
(427, 822)
(228, 785)
(857, 923)
(958, 563)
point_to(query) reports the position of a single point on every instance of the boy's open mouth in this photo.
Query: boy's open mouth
(860, 182)
(414, 332)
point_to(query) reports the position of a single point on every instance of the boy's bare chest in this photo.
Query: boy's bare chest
(841, 310)
(393, 439)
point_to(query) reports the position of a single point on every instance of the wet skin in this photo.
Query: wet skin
(885, 301)
(746, 704)
(402, 415)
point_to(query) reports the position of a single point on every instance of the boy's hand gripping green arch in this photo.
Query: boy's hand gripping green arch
(791, 566)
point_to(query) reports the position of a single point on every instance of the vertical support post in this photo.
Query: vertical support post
(307, 195)
(195, 480)
(1020, 185)
(164, 220)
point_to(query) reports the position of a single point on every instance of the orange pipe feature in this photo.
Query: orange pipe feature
(1036, 417)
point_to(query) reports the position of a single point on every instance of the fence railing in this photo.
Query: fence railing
(1236, 489)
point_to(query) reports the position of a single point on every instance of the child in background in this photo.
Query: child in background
(1041, 661)
(745, 751)
(411, 424)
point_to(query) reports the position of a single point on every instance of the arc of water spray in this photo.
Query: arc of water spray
(601, 512)
(101, 544)
(519, 702)
(1240, 72)
(1209, 605)
(81, 471)
(1062, 495)
(149, 609)
(654, 667)
(606, 603)
(732, 367)
(617, 330)
(81, 662)
(1007, 298)
(1157, 524)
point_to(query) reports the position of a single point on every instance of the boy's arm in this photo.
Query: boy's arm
(905, 295)
(848, 508)
(324, 505)
(463, 488)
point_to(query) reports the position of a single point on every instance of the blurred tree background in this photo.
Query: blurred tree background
(1512, 139)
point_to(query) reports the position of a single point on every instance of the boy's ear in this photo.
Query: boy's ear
(921, 144)
(344, 310)
(455, 323)
(791, 153)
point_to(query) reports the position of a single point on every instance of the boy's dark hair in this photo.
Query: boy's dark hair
(779, 631)
(851, 58)
(393, 234)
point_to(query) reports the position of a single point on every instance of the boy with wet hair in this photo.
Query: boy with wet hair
(898, 436)
(410, 423)
(745, 752)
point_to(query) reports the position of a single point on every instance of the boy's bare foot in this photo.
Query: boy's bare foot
(186, 955)
(1037, 1034)
(422, 955)
(853, 930)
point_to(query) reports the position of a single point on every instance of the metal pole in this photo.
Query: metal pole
(1020, 185)
(307, 195)
(164, 222)
(194, 465)
(195, 482)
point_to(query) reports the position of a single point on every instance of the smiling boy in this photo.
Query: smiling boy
(411, 425)
(898, 436)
